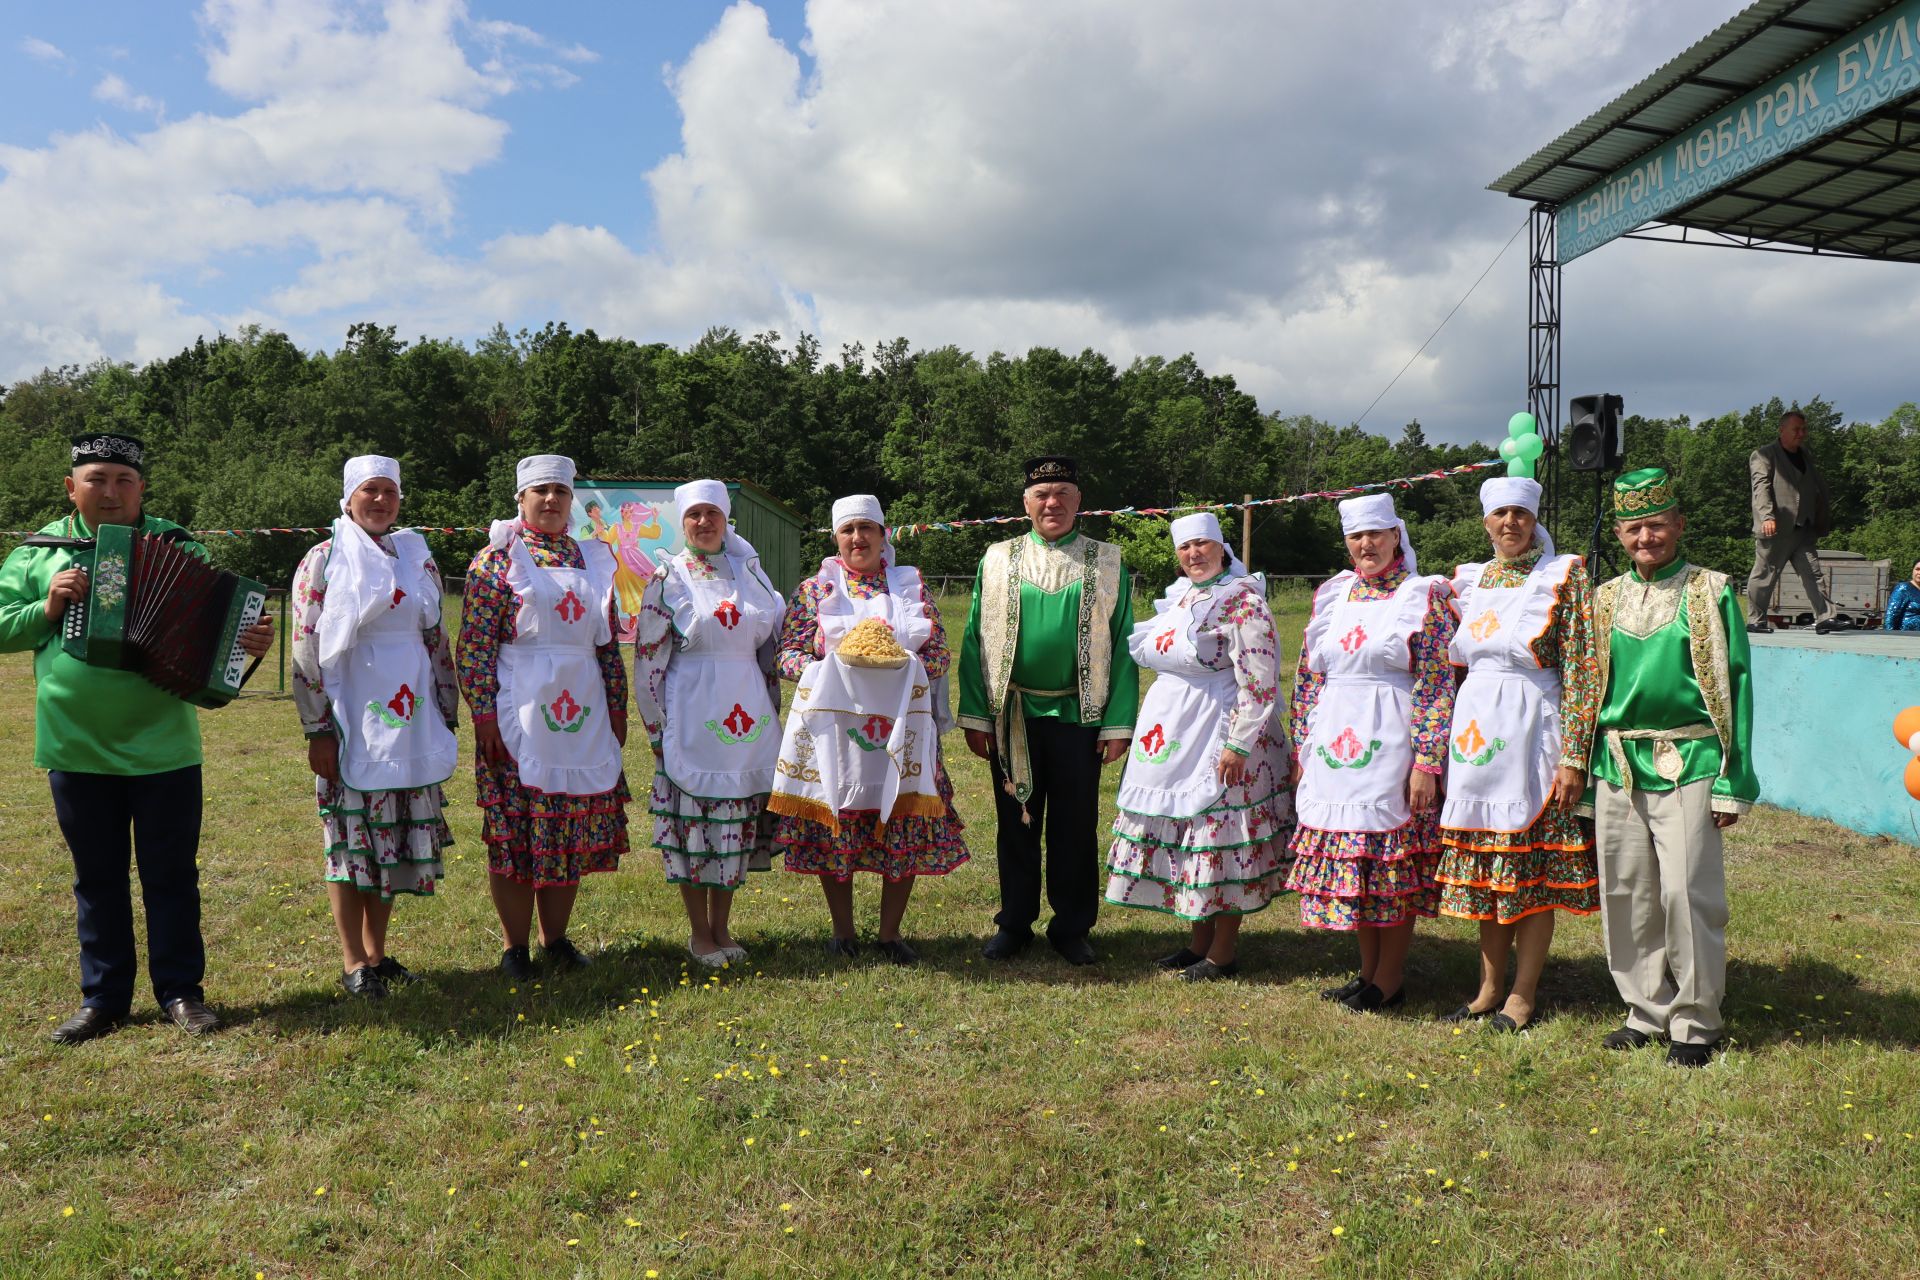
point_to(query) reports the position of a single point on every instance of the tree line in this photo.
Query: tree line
(248, 430)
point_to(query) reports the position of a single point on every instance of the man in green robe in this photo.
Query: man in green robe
(1048, 694)
(123, 759)
(1672, 769)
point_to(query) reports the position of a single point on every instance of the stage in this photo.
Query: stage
(1823, 726)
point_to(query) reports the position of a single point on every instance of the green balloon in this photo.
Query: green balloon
(1520, 467)
(1532, 447)
(1509, 449)
(1522, 424)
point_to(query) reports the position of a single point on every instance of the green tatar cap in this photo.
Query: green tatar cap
(1645, 492)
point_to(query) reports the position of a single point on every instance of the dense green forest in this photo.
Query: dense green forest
(249, 430)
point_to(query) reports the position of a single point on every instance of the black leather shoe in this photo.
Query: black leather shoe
(1006, 944)
(1346, 991)
(364, 982)
(899, 952)
(516, 963)
(1465, 1013)
(1075, 951)
(192, 1016)
(1626, 1038)
(86, 1024)
(1181, 959)
(1370, 998)
(1208, 971)
(395, 974)
(1826, 626)
(1501, 1022)
(1759, 628)
(562, 952)
(1690, 1055)
(845, 948)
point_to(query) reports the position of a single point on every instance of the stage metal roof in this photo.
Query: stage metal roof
(1852, 192)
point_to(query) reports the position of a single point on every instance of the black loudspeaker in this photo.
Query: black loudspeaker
(1593, 434)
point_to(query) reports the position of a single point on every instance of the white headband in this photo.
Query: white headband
(858, 506)
(1375, 511)
(1198, 524)
(542, 468)
(1509, 491)
(367, 466)
(1516, 491)
(694, 492)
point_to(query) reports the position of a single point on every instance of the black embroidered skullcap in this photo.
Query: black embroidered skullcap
(105, 446)
(1053, 469)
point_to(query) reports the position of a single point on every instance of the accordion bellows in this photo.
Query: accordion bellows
(157, 610)
(871, 644)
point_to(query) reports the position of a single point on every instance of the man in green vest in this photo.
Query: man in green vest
(1048, 694)
(1672, 769)
(123, 759)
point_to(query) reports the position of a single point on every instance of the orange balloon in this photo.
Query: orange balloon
(1913, 777)
(1905, 725)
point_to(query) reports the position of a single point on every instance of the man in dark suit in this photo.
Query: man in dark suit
(1790, 516)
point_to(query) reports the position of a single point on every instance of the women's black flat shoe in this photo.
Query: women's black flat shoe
(1369, 999)
(1181, 959)
(1346, 991)
(1208, 971)
(562, 952)
(365, 983)
(393, 973)
(845, 948)
(899, 952)
(1466, 1013)
(1501, 1022)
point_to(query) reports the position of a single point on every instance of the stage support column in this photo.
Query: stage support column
(1543, 352)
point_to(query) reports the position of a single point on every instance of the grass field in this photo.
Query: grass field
(807, 1117)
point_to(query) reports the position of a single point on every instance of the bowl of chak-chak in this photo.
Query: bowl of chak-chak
(871, 644)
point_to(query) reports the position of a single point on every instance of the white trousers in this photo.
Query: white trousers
(1663, 907)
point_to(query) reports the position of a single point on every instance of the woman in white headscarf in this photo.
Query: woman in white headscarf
(1372, 700)
(542, 676)
(704, 679)
(1205, 809)
(373, 682)
(832, 838)
(1522, 731)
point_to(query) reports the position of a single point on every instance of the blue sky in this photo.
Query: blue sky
(1291, 191)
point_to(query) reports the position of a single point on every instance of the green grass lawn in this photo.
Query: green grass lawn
(804, 1116)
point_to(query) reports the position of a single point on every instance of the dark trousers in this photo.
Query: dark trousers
(1066, 799)
(107, 820)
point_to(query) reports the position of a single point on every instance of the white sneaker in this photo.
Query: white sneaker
(711, 959)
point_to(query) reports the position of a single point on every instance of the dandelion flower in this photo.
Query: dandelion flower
(1339, 1231)
(866, 1173)
(67, 1212)
(573, 1242)
(568, 1059)
(786, 1208)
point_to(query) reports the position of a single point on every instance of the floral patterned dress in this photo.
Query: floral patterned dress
(384, 842)
(532, 836)
(1504, 876)
(1354, 879)
(712, 842)
(911, 845)
(1232, 857)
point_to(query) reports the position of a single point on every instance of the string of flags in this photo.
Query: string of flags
(947, 526)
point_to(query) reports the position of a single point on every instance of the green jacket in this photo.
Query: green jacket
(89, 719)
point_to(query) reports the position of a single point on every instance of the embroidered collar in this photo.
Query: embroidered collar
(1526, 560)
(1664, 572)
(1057, 543)
(1399, 565)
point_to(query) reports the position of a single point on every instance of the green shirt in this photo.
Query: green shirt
(1045, 658)
(89, 719)
(1651, 685)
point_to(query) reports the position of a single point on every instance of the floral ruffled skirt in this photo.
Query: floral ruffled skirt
(384, 842)
(545, 840)
(711, 843)
(1231, 859)
(1507, 876)
(1367, 879)
(909, 846)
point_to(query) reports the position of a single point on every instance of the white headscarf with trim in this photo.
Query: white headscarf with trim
(1517, 491)
(1376, 511)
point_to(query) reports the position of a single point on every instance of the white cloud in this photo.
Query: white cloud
(43, 51)
(111, 88)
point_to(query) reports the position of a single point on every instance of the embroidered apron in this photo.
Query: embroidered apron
(552, 706)
(1358, 749)
(1171, 765)
(722, 732)
(381, 688)
(1504, 745)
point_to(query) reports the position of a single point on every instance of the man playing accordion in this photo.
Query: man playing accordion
(123, 759)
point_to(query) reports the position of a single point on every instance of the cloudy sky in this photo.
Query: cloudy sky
(1291, 190)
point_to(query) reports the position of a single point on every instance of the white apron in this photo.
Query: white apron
(1172, 766)
(1358, 748)
(381, 687)
(552, 707)
(861, 738)
(722, 729)
(1504, 745)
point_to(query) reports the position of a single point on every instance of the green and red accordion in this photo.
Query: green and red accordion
(154, 608)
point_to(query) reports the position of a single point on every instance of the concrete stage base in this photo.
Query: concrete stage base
(1823, 709)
